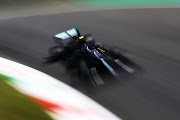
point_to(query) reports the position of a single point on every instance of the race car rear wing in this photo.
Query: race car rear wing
(68, 34)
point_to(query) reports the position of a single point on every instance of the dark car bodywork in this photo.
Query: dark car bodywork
(89, 59)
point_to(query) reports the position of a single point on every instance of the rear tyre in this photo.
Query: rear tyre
(116, 52)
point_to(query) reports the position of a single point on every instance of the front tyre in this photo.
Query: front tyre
(57, 51)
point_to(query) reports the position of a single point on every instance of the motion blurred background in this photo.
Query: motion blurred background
(149, 29)
(14, 8)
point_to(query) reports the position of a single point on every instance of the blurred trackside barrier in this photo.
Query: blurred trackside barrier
(27, 2)
(21, 8)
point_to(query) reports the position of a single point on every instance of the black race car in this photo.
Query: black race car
(87, 58)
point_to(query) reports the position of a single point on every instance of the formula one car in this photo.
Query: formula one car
(87, 58)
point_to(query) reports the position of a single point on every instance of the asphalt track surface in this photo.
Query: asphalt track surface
(152, 36)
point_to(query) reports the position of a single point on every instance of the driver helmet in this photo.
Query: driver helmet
(82, 39)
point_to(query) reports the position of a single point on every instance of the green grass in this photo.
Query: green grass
(106, 3)
(15, 106)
